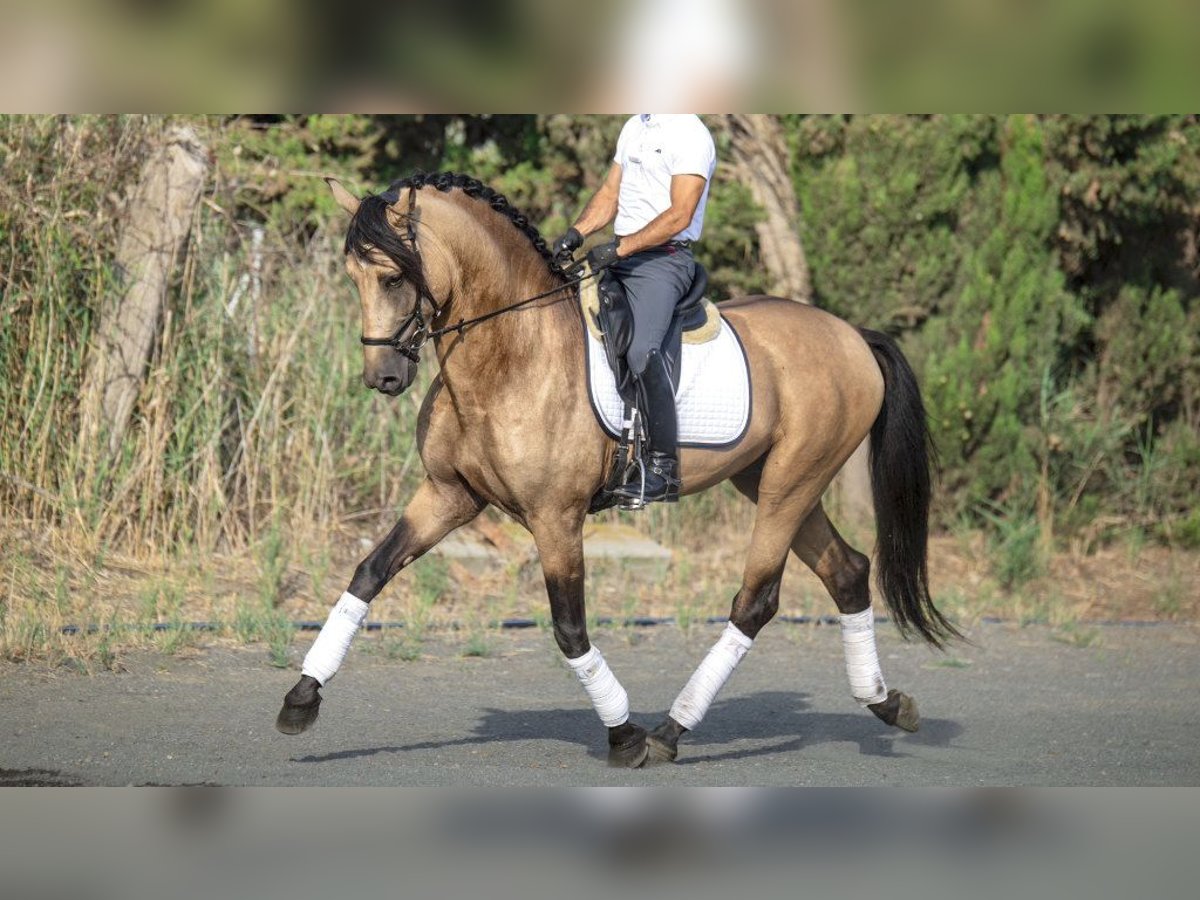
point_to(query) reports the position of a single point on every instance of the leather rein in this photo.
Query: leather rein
(410, 347)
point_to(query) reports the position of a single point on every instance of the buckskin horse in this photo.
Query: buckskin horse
(507, 422)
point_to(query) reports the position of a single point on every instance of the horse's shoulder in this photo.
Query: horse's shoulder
(437, 426)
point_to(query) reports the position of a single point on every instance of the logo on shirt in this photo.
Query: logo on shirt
(637, 160)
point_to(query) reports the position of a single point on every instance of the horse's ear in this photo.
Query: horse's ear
(344, 198)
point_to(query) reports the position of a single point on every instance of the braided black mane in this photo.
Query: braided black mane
(369, 229)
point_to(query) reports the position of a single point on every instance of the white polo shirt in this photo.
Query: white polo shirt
(650, 150)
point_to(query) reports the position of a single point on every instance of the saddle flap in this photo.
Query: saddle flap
(615, 318)
(712, 390)
(609, 317)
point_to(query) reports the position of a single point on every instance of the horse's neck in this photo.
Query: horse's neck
(485, 272)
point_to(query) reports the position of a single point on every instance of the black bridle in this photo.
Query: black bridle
(410, 347)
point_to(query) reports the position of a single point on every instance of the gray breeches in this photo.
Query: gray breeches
(655, 280)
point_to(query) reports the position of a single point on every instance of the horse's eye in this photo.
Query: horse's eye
(393, 282)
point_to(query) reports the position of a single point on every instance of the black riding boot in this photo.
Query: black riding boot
(657, 400)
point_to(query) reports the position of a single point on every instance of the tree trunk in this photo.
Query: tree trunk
(850, 491)
(155, 229)
(761, 161)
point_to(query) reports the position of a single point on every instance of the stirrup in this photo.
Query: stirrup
(628, 502)
(632, 495)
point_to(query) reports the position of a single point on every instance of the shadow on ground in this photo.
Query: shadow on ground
(781, 721)
(36, 778)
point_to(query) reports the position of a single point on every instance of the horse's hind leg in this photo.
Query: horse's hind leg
(436, 509)
(846, 574)
(755, 604)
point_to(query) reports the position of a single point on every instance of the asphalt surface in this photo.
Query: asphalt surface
(1104, 705)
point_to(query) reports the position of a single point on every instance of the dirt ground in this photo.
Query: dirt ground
(1017, 707)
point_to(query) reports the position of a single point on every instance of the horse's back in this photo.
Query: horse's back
(807, 365)
(805, 337)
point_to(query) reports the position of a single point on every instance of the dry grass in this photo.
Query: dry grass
(245, 423)
(252, 596)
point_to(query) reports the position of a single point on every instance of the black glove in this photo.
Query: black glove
(567, 244)
(603, 255)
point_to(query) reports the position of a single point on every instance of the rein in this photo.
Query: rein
(411, 347)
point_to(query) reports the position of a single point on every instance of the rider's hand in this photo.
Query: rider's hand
(603, 255)
(567, 244)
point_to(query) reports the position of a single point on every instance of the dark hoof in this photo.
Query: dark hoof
(663, 742)
(899, 709)
(300, 707)
(627, 746)
(295, 719)
(661, 751)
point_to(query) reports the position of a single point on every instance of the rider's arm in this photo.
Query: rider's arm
(686, 191)
(602, 208)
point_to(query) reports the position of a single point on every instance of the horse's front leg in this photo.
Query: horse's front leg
(561, 550)
(437, 508)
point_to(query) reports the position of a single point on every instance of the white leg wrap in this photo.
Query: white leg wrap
(329, 649)
(700, 691)
(862, 660)
(606, 693)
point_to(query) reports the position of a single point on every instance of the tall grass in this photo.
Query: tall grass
(251, 419)
(251, 422)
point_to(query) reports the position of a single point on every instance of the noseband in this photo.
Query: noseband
(409, 347)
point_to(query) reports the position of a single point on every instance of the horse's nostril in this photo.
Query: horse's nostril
(389, 383)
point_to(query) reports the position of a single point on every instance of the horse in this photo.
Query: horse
(438, 260)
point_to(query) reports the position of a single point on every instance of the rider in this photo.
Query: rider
(656, 189)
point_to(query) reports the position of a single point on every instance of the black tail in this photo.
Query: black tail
(901, 457)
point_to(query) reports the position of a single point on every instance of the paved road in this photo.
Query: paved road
(1020, 708)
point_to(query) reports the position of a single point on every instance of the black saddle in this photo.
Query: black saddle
(616, 324)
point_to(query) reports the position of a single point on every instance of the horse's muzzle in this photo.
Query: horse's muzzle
(392, 378)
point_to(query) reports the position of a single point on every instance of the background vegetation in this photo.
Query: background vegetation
(1042, 273)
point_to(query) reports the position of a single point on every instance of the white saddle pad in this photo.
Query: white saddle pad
(713, 394)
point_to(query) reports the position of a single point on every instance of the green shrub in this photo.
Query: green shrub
(1014, 545)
